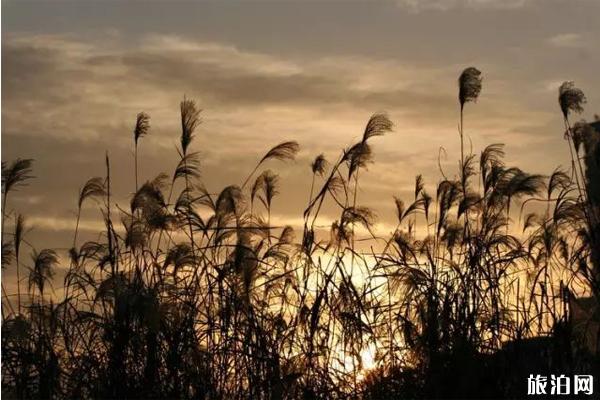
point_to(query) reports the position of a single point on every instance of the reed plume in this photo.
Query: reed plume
(469, 88)
(142, 128)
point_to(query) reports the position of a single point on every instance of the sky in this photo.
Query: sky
(75, 74)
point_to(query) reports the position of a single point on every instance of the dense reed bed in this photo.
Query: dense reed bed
(192, 294)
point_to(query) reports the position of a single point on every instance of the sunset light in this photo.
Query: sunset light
(300, 200)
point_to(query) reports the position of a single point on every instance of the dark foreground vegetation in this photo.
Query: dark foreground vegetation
(191, 294)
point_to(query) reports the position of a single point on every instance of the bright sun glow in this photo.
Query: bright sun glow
(367, 361)
(368, 357)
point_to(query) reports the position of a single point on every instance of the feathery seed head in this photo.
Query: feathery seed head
(142, 126)
(570, 98)
(469, 85)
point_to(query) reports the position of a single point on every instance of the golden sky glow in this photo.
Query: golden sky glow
(75, 74)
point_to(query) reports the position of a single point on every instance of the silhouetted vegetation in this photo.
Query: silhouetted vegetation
(490, 276)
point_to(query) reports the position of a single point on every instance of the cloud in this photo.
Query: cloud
(55, 79)
(67, 100)
(61, 87)
(445, 5)
(569, 40)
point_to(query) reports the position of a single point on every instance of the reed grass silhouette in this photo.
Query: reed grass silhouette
(191, 294)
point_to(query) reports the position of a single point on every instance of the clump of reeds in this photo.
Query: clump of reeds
(195, 294)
